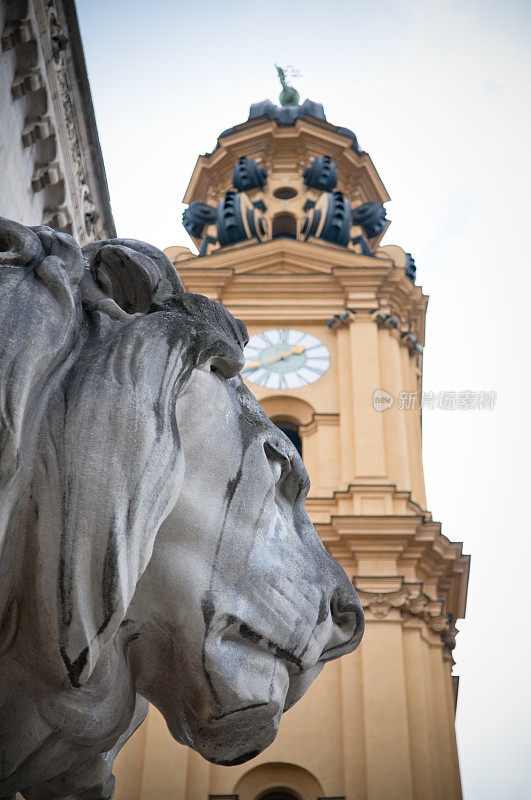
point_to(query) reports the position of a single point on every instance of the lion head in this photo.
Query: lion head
(155, 544)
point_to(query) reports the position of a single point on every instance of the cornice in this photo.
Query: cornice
(402, 532)
(314, 279)
(402, 500)
(421, 548)
(315, 254)
(285, 148)
(318, 420)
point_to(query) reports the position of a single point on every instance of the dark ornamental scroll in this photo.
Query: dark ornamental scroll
(371, 217)
(321, 174)
(248, 174)
(196, 216)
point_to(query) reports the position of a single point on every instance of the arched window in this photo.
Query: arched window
(278, 781)
(285, 225)
(279, 794)
(292, 432)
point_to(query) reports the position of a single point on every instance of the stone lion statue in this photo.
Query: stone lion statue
(154, 546)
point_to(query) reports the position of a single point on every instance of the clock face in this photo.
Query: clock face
(282, 358)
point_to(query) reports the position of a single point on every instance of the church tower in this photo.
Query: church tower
(288, 214)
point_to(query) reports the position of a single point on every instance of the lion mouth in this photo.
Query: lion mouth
(244, 631)
(241, 710)
(237, 631)
(258, 687)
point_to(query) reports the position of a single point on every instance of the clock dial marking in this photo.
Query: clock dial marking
(284, 358)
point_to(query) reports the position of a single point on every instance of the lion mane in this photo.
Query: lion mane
(95, 346)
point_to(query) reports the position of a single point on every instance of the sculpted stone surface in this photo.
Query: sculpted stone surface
(154, 541)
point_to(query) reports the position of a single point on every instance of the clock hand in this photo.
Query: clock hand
(296, 350)
(251, 365)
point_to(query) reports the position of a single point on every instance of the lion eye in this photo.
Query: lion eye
(276, 469)
(278, 461)
(224, 365)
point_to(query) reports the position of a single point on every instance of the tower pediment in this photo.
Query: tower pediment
(326, 278)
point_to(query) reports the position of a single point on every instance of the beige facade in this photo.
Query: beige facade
(379, 723)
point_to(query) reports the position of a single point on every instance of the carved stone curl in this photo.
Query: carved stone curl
(154, 542)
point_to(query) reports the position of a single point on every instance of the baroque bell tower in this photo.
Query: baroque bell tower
(288, 215)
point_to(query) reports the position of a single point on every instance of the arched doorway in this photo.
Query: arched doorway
(278, 794)
(291, 430)
(278, 780)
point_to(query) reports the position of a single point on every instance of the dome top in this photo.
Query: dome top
(272, 169)
(285, 115)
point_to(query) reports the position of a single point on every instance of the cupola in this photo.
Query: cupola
(286, 172)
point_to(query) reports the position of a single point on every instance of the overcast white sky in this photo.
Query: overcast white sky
(438, 94)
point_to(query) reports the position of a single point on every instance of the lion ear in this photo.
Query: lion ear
(125, 277)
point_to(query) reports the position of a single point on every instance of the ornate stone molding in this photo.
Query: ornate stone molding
(37, 130)
(59, 219)
(60, 44)
(50, 175)
(411, 601)
(365, 521)
(335, 278)
(52, 107)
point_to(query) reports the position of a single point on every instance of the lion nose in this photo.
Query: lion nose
(346, 618)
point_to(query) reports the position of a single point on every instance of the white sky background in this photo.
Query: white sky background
(438, 94)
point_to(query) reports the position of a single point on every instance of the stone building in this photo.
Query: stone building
(287, 214)
(51, 167)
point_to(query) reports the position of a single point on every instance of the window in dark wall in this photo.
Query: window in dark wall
(285, 225)
(292, 432)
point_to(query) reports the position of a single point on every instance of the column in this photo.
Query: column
(129, 764)
(385, 710)
(413, 421)
(419, 716)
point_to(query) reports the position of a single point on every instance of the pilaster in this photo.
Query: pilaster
(369, 442)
